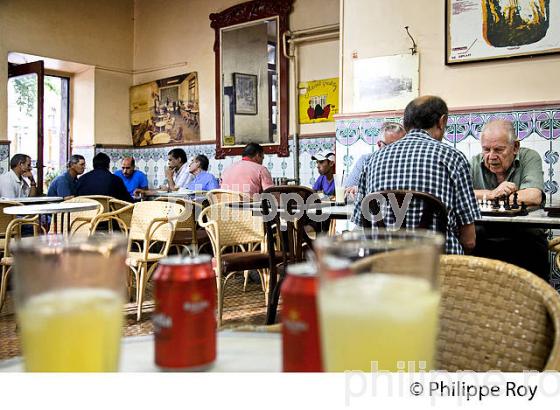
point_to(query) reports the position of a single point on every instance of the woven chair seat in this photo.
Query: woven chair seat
(235, 262)
(135, 258)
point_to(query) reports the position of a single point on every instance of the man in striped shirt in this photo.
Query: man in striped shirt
(421, 162)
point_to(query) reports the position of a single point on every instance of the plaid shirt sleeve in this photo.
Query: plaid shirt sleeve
(465, 207)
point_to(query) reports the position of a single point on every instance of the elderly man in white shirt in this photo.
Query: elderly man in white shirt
(19, 181)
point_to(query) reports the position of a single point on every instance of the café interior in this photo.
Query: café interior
(249, 70)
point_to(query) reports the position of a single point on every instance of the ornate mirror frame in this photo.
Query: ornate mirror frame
(243, 13)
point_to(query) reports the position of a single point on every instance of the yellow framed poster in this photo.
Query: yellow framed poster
(318, 100)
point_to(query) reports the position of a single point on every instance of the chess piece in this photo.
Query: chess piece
(496, 203)
(506, 203)
(501, 208)
(515, 205)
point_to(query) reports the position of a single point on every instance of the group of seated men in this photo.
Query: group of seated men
(418, 160)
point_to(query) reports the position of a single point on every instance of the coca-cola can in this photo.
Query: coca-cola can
(184, 318)
(301, 347)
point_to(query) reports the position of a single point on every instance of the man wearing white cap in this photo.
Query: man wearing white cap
(325, 166)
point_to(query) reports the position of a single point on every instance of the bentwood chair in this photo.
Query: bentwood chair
(238, 242)
(13, 232)
(78, 223)
(187, 236)
(151, 229)
(434, 212)
(104, 200)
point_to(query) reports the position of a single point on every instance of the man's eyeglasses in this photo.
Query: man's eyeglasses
(392, 127)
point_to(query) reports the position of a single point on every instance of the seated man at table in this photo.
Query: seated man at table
(19, 181)
(100, 181)
(248, 175)
(203, 180)
(421, 162)
(390, 132)
(502, 169)
(325, 166)
(177, 172)
(65, 185)
(133, 179)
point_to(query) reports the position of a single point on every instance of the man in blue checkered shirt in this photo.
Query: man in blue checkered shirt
(421, 162)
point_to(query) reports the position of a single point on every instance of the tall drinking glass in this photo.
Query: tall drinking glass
(378, 299)
(69, 295)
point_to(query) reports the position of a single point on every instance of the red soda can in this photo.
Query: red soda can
(184, 318)
(301, 347)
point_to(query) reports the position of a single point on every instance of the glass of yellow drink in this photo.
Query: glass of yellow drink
(69, 295)
(378, 300)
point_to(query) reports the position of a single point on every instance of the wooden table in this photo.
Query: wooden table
(237, 352)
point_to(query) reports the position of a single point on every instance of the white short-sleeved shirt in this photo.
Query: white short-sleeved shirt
(182, 177)
(12, 186)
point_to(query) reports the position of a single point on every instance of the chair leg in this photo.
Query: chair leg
(220, 297)
(4, 285)
(140, 283)
(245, 279)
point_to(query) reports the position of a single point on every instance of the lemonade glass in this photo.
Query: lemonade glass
(69, 295)
(378, 299)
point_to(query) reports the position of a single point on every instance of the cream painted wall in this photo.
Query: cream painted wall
(375, 28)
(83, 108)
(96, 33)
(112, 107)
(185, 36)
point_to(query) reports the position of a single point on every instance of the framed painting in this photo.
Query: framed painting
(165, 111)
(479, 30)
(245, 91)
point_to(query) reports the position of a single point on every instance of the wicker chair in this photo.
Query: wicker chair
(496, 316)
(230, 227)
(554, 246)
(5, 220)
(79, 222)
(187, 235)
(217, 196)
(153, 224)
(13, 231)
(104, 200)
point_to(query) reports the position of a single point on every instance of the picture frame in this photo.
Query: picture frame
(478, 30)
(245, 93)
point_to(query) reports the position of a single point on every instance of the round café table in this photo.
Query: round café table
(54, 209)
(35, 199)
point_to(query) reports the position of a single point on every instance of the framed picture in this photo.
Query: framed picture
(492, 29)
(245, 91)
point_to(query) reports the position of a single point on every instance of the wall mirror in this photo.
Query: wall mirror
(251, 77)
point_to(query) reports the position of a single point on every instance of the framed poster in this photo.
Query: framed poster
(318, 100)
(385, 83)
(491, 29)
(245, 86)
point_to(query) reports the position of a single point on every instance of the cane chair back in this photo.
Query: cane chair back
(217, 196)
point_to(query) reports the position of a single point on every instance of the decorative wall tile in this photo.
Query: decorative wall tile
(4, 158)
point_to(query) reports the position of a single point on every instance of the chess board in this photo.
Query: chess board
(506, 213)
